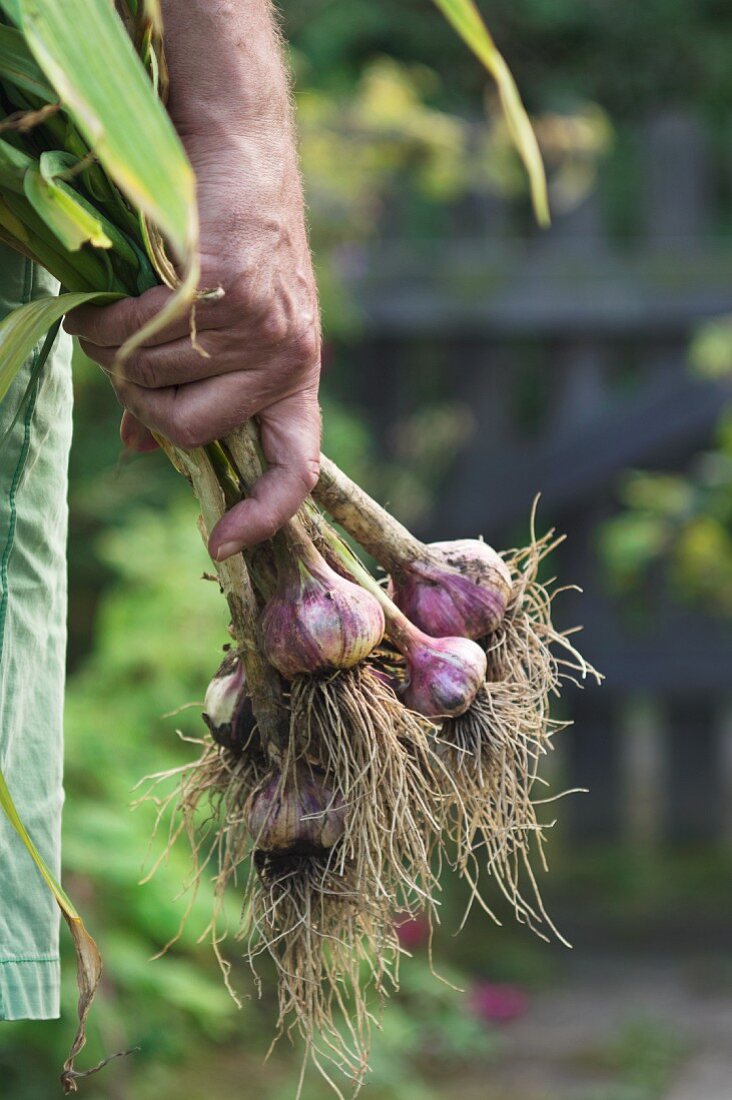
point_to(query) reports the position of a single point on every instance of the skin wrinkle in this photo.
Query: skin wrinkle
(262, 337)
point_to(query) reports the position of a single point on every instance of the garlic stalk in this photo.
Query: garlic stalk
(386, 539)
(264, 685)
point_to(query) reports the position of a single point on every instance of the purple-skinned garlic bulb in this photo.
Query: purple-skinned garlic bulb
(296, 814)
(459, 588)
(444, 675)
(316, 619)
(227, 708)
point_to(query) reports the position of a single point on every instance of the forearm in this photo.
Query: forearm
(227, 69)
(230, 101)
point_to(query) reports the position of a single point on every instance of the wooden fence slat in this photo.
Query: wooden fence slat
(644, 773)
(677, 181)
(694, 803)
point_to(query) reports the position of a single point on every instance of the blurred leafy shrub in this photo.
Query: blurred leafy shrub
(383, 152)
(626, 56)
(681, 523)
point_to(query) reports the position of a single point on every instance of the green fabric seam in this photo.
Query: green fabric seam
(31, 959)
(22, 457)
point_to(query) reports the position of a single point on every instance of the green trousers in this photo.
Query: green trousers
(33, 528)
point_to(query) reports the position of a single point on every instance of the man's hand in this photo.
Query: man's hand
(262, 337)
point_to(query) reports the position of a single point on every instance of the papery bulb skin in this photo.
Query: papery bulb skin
(444, 675)
(318, 620)
(461, 590)
(296, 816)
(227, 708)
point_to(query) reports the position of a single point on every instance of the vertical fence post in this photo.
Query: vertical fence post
(643, 773)
(694, 804)
(724, 748)
(677, 191)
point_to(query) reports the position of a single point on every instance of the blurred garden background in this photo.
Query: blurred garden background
(471, 362)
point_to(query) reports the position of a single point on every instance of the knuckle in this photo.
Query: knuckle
(261, 314)
(140, 368)
(179, 437)
(305, 348)
(173, 434)
(243, 295)
(128, 398)
(285, 316)
(91, 351)
(84, 320)
(135, 316)
(124, 320)
(272, 326)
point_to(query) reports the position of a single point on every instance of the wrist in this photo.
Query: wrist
(249, 192)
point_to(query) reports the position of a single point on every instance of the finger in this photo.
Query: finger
(170, 364)
(290, 433)
(135, 436)
(111, 326)
(180, 362)
(196, 414)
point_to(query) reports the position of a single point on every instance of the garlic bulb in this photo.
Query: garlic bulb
(295, 814)
(460, 589)
(227, 708)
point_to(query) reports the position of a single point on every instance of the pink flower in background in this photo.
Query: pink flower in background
(497, 1003)
(412, 931)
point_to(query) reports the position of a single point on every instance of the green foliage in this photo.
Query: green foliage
(679, 523)
(84, 52)
(361, 148)
(115, 734)
(22, 329)
(18, 66)
(626, 56)
(385, 141)
(682, 522)
(711, 348)
(146, 631)
(466, 19)
(429, 1033)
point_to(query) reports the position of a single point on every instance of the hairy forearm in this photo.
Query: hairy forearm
(227, 70)
(230, 101)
